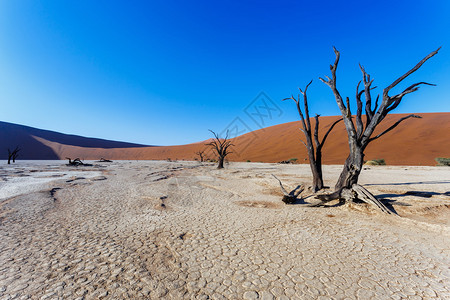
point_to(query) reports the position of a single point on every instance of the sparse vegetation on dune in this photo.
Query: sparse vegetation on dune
(376, 162)
(443, 161)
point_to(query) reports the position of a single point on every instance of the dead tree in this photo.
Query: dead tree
(201, 154)
(77, 162)
(220, 146)
(13, 154)
(105, 160)
(359, 133)
(292, 197)
(314, 150)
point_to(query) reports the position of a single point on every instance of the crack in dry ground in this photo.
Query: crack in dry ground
(222, 235)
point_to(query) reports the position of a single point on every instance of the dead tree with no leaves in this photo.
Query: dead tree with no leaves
(201, 154)
(360, 134)
(314, 150)
(13, 154)
(220, 146)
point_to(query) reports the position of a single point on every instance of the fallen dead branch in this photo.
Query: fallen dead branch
(77, 162)
(292, 197)
(104, 160)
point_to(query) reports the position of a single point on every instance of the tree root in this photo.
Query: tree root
(356, 192)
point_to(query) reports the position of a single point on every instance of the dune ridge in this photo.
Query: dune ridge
(414, 142)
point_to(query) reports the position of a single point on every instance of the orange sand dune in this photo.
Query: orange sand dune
(413, 142)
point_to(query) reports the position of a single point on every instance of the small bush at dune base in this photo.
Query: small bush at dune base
(443, 161)
(376, 162)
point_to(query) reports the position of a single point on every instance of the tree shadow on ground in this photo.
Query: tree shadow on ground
(422, 194)
(310, 203)
(410, 183)
(387, 202)
(390, 204)
(301, 200)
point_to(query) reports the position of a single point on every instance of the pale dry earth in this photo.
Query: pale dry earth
(183, 230)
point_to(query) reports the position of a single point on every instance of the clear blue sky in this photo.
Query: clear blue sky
(164, 72)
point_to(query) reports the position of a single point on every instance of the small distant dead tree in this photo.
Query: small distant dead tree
(220, 146)
(360, 134)
(314, 150)
(77, 162)
(105, 160)
(201, 154)
(13, 155)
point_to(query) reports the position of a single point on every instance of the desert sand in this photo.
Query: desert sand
(185, 230)
(415, 142)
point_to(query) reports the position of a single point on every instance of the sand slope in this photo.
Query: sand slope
(12, 135)
(414, 142)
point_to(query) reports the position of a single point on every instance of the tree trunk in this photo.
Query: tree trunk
(316, 169)
(9, 160)
(220, 166)
(352, 169)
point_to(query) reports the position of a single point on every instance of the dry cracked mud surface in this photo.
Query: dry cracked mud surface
(182, 230)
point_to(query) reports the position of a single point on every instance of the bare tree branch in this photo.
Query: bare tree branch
(416, 67)
(328, 132)
(395, 100)
(281, 185)
(303, 143)
(302, 117)
(359, 123)
(393, 126)
(345, 111)
(305, 104)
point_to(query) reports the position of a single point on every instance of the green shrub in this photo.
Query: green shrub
(376, 162)
(293, 159)
(443, 161)
(248, 160)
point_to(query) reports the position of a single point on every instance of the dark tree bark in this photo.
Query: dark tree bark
(314, 149)
(15, 154)
(221, 147)
(293, 196)
(360, 134)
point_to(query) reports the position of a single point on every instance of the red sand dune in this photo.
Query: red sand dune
(413, 142)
